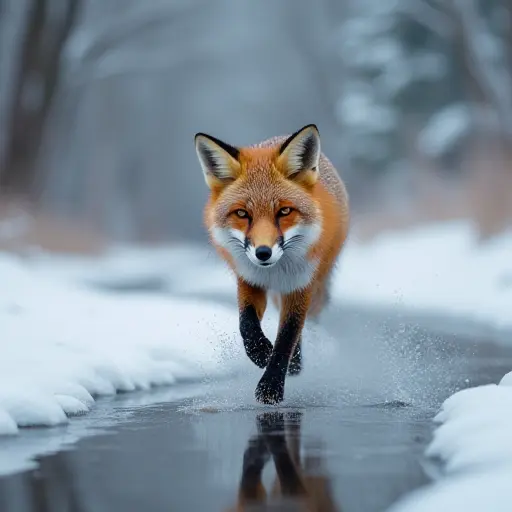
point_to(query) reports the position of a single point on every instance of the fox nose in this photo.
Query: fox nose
(263, 252)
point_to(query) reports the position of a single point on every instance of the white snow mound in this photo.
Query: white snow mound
(62, 345)
(474, 441)
(439, 268)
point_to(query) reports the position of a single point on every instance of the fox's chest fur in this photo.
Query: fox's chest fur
(293, 271)
(289, 274)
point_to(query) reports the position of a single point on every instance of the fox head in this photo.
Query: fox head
(262, 205)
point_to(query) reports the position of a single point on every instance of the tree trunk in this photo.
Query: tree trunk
(34, 88)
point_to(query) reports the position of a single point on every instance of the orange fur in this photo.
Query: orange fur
(335, 220)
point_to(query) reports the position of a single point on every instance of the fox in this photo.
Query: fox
(278, 215)
(300, 484)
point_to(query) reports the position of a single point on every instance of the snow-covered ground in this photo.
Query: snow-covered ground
(62, 341)
(67, 336)
(439, 269)
(474, 442)
(61, 345)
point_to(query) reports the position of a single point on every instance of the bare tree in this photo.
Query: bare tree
(47, 27)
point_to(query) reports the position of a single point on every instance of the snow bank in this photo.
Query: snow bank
(439, 268)
(61, 345)
(474, 442)
(184, 269)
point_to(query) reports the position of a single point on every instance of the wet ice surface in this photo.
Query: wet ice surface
(361, 413)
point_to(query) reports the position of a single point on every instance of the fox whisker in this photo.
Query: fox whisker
(294, 240)
(237, 246)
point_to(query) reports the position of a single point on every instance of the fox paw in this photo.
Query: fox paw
(259, 352)
(270, 389)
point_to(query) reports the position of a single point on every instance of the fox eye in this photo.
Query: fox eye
(242, 214)
(283, 212)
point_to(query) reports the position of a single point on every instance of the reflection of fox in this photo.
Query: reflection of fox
(278, 214)
(298, 487)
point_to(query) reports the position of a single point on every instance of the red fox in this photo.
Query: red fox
(278, 215)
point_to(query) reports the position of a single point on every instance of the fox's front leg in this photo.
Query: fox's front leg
(270, 389)
(295, 366)
(252, 303)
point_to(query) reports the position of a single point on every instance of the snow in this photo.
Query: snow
(176, 269)
(440, 269)
(474, 442)
(62, 345)
(67, 335)
(474, 492)
(18, 452)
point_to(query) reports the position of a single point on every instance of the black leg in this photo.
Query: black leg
(270, 388)
(252, 302)
(257, 347)
(295, 366)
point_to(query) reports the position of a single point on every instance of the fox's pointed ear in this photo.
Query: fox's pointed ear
(218, 160)
(299, 155)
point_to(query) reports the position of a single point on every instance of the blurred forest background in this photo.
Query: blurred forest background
(100, 101)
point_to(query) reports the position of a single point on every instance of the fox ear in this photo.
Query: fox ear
(218, 160)
(299, 155)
